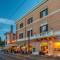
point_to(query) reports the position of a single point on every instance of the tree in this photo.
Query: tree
(0, 38)
(2, 43)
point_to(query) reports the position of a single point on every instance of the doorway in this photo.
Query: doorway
(44, 48)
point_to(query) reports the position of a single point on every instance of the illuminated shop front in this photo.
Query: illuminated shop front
(48, 46)
(44, 45)
(56, 48)
(24, 48)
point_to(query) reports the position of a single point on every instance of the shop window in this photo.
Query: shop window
(57, 49)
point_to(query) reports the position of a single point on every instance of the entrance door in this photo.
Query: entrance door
(44, 48)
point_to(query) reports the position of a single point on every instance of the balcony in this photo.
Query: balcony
(44, 34)
(57, 33)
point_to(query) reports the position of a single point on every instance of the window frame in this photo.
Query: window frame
(21, 25)
(41, 13)
(21, 35)
(46, 29)
(29, 33)
(30, 20)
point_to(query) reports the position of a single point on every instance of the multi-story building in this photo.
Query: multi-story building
(10, 39)
(39, 30)
(10, 36)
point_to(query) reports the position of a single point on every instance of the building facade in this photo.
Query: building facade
(10, 40)
(39, 30)
(10, 36)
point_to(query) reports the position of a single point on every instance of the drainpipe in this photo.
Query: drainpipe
(25, 35)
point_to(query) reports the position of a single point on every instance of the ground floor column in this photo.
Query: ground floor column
(50, 47)
(35, 47)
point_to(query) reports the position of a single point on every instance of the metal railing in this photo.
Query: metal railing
(44, 34)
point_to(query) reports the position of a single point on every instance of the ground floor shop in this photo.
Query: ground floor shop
(47, 46)
(10, 48)
(43, 46)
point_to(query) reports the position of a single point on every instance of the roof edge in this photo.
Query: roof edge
(34, 8)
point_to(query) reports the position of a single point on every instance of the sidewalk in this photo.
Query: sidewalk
(28, 56)
(37, 57)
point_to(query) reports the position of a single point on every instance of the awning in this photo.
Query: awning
(44, 44)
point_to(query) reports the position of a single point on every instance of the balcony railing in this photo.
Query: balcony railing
(57, 33)
(44, 34)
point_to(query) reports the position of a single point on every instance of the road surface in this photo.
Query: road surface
(14, 57)
(11, 57)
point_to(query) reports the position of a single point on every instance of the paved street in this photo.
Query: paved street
(11, 57)
(17, 57)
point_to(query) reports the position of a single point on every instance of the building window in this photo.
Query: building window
(44, 28)
(21, 25)
(14, 37)
(29, 33)
(6, 37)
(34, 49)
(20, 35)
(30, 20)
(44, 13)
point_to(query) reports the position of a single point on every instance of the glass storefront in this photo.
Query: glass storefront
(44, 47)
(56, 46)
